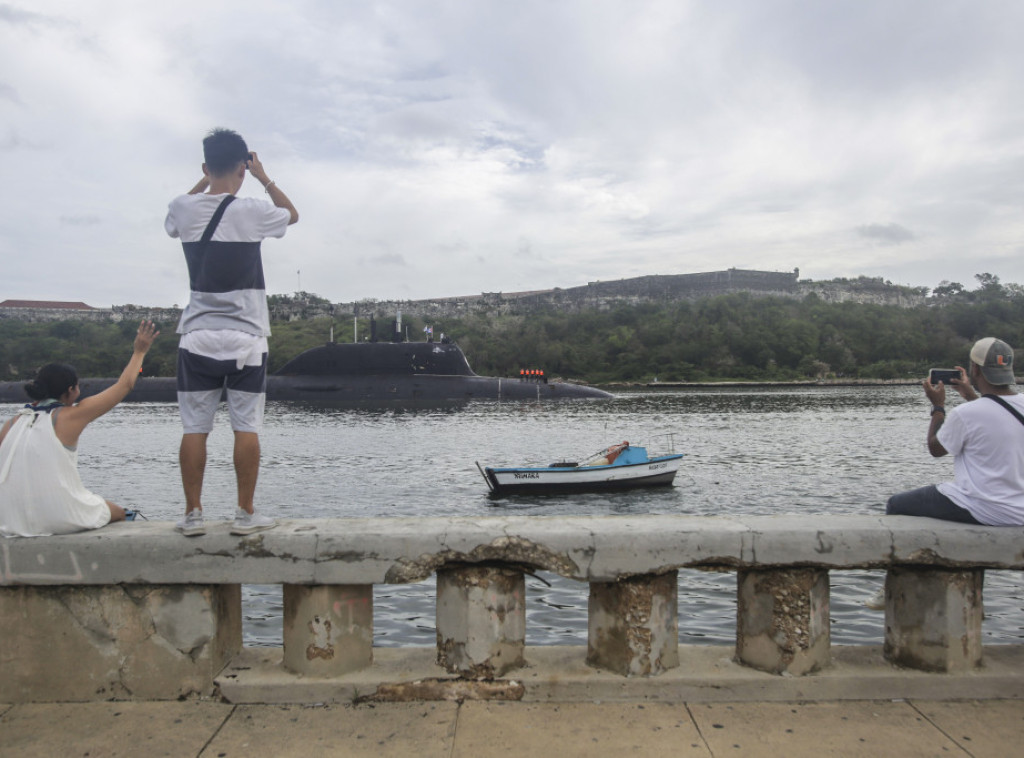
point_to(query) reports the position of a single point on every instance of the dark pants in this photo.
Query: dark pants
(929, 502)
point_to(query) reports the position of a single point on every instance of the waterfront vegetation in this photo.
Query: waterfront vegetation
(744, 337)
(730, 337)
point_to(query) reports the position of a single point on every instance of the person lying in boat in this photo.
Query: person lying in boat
(41, 492)
(607, 456)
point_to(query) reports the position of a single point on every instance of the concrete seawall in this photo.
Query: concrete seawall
(136, 611)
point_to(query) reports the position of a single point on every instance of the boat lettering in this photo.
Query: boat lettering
(526, 475)
(656, 466)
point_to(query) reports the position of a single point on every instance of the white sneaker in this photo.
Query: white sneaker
(877, 601)
(247, 523)
(192, 525)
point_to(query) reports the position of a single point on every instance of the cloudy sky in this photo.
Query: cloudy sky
(452, 147)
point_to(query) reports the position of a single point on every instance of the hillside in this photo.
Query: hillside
(736, 335)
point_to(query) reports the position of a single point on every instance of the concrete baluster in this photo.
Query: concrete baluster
(782, 620)
(481, 620)
(933, 618)
(633, 625)
(328, 629)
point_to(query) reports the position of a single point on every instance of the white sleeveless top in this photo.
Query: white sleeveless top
(41, 492)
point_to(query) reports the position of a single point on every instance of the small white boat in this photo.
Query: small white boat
(619, 467)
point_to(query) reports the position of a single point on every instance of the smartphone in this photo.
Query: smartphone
(943, 375)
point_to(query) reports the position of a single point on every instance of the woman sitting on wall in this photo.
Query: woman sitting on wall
(41, 492)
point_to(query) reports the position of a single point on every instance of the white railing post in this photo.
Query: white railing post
(481, 620)
(933, 618)
(633, 626)
(328, 629)
(782, 619)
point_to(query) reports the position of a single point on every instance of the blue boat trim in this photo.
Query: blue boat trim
(616, 466)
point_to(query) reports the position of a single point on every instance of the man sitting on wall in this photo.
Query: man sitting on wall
(986, 440)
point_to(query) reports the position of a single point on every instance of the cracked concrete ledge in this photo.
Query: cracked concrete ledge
(401, 550)
(89, 643)
(559, 674)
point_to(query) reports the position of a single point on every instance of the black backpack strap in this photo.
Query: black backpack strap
(1007, 406)
(212, 226)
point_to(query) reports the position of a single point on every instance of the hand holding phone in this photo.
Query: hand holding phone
(944, 375)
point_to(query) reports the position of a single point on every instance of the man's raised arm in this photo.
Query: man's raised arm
(277, 196)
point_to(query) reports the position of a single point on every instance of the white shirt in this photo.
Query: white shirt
(41, 492)
(226, 345)
(987, 443)
(227, 274)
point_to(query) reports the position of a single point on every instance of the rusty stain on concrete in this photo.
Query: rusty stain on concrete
(321, 646)
(446, 689)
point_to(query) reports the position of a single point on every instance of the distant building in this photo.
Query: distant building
(46, 305)
(51, 310)
(58, 310)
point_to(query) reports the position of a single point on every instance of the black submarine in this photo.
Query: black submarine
(365, 373)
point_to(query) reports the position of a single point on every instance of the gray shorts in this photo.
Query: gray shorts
(203, 381)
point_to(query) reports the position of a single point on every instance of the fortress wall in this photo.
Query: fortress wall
(38, 315)
(140, 312)
(875, 295)
(643, 290)
(114, 314)
(661, 288)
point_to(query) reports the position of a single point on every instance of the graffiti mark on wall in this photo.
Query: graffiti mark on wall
(72, 574)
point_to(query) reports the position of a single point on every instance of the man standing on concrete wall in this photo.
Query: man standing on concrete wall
(225, 326)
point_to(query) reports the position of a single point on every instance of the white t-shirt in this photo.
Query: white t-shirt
(247, 219)
(226, 275)
(987, 443)
(226, 345)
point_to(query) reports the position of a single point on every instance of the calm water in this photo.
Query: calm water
(748, 451)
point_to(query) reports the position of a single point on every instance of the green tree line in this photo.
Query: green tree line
(743, 337)
(736, 336)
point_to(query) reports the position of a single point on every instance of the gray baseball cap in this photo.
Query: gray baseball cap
(995, 358)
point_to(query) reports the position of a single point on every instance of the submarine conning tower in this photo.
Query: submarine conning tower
(368, 358)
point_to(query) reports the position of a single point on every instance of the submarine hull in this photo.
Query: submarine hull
(383, 388)
(363, 374)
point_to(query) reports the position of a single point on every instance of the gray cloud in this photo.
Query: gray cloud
(385, 259)
(886, 234)
(7, 92)
(18, 17)
(24, 19)
(12, 140)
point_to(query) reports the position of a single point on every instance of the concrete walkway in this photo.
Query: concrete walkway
(483, 729)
